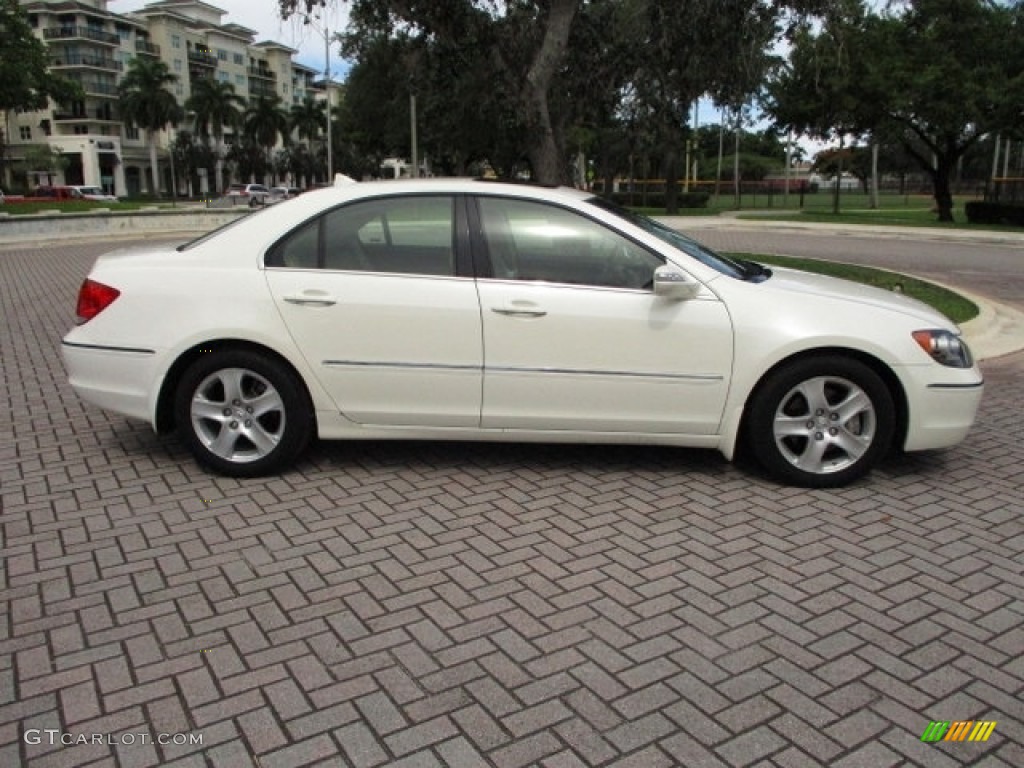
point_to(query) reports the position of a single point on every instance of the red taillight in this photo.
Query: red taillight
(93, 298)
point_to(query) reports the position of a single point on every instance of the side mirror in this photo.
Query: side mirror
(671, 283)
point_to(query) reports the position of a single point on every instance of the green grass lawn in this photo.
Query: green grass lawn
(953, 305)
(854, 208)
(15, 208)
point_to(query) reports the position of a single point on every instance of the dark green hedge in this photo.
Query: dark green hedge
(979, 212)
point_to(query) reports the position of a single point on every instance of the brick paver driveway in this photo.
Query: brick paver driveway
(473, 605)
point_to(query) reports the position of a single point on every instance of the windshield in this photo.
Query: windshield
(740, 269)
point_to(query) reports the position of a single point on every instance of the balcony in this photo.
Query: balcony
(83, 33)
(99, 89)
(258, 89)
(146, 47)
(262, 73)
(91, 116)
(202, 59)
(96, 62)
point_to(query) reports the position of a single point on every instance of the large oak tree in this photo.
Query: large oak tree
(935, 76)
(525, 44)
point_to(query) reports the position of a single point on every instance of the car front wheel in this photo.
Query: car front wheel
(821, 422)
(242, 414)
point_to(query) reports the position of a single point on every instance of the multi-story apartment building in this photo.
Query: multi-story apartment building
(92, 45)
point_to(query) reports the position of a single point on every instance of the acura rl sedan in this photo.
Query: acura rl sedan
(473, 310)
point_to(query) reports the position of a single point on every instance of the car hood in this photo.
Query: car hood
(794, 281)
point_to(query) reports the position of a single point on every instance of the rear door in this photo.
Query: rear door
(374, 297)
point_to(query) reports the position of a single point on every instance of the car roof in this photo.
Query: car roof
(452, 185)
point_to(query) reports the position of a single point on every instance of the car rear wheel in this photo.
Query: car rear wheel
(242, 414)
(821, 422)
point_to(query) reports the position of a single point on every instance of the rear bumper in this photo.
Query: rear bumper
(113, 378)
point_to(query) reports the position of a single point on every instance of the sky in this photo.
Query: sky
(262, 15)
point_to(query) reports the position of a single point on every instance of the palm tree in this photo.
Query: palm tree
(264, 121)
(308, 119)
(146, 102)
(216, 106)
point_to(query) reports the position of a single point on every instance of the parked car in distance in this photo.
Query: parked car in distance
(454, 309)
(253, 194)
(47, 194)
(279, 194)
(95, 193)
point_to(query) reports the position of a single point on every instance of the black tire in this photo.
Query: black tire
(243, 414)
(821, 422)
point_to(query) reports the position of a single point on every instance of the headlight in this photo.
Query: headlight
(945, 348)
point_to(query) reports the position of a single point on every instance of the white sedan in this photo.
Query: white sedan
(472, 310)
(96, 193)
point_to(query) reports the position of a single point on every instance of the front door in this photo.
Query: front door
(575, 339)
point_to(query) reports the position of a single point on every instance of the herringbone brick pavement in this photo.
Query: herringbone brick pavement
(460, 605)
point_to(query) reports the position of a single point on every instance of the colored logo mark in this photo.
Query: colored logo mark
(958, 730)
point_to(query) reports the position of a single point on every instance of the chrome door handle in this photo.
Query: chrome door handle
(309, 301)
(519, 312)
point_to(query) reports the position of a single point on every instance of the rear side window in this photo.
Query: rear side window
(300, 250)
(402, 235)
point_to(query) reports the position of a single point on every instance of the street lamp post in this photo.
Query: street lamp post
(327, 94)
(326, 33)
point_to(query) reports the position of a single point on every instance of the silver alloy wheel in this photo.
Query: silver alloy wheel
(824, 424)
(237, 415)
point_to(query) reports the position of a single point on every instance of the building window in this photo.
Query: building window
(131, 132)
(239, 79)
(124, 33)
(224, 77)
(81, 130)
(222, 55)
(177, 65)
(179, 90)
(238, 59)
(175, 41)
(25, 132)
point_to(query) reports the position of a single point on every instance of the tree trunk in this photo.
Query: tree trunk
(154, 188)
(874, 175)
(940, 180)
(218, 181)
(839, 178)
(671, 182)
(543, 151)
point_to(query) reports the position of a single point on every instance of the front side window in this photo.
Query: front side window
(534, 241)
(402, 235)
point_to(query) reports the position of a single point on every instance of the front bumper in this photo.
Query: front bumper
(942, 412)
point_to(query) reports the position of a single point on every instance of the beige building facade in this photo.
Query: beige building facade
(88, 43)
